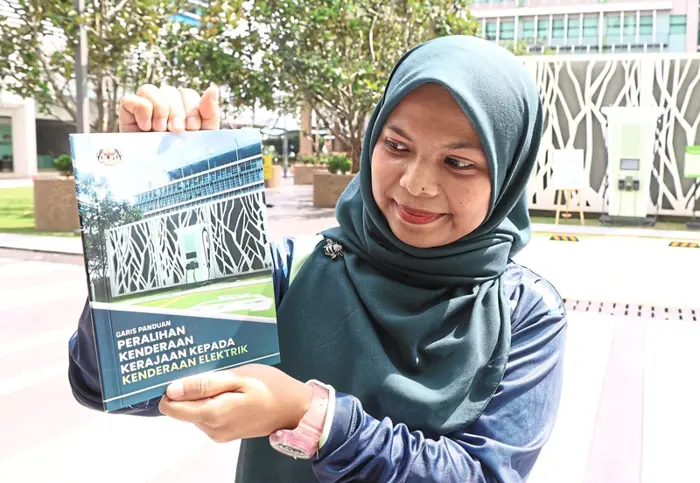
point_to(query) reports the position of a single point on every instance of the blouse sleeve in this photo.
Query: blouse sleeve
(501, 446)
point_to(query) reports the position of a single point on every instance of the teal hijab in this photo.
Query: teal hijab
(420, 336)
(434, 322)
(440, 313)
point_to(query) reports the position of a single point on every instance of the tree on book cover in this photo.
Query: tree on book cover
(178, 263)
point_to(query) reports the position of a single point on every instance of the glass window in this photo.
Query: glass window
(528, 29)
(507, 30)
(612, 25)
(491, 28)
(590, 27)
(543, 29)
(630, 25)
(677, 24)
(646, 25)
(573, 29)
(558, 28)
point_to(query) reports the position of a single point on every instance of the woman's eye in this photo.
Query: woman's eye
(459, 164)
(394, 146)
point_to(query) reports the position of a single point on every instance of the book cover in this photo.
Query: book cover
(177, 257)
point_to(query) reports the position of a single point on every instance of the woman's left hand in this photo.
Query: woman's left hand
(247, 402)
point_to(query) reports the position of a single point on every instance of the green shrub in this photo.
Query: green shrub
(64, 165)
(339, 162)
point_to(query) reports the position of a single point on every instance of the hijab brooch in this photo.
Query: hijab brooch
(333, 249)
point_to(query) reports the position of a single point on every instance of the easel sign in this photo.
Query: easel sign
(568, 178)
(568, 170)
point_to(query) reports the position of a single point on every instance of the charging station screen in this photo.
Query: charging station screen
(629, 164)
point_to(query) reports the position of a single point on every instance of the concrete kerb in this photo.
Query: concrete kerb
(73, 245)
(41, 243)
(599, 231)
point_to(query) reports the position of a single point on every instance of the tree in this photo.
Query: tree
(100, 211)
(125, 39)
(221, 51)
(518, 48)
(336, 55)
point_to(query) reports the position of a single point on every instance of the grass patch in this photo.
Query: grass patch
(17, 213)
(255, 299)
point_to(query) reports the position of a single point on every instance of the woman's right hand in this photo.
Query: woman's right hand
(169, 109)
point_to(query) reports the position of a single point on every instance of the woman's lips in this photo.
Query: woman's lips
(416, 217)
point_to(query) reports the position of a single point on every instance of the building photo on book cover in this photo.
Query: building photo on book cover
(177, 256)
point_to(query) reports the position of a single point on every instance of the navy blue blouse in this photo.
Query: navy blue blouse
(501, 446)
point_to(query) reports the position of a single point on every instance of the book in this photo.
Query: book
(178, 263)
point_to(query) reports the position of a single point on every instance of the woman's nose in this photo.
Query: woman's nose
(420, 178)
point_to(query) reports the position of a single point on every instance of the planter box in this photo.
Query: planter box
(328, 188)
(275, 180)
(304, 173)
(55, 204)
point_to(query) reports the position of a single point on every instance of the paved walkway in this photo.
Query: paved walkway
(629, 407)
(13, 182)
(628, 412)
(42, 243)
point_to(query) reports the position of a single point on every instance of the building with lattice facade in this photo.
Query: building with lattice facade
(591, 26)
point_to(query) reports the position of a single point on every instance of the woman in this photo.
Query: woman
(439, 359)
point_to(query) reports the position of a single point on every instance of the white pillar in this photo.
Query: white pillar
(24, 139)
(622, 26)
(580, 29)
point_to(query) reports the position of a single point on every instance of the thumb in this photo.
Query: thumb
(201, 386)
(209, 109)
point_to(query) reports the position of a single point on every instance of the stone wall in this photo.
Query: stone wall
(304, 173)
(55, 204)
(328, 188)
(276, 179)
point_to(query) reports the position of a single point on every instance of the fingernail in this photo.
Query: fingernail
(160, 124)
(176, 390)
(145, 124)
(177, 124)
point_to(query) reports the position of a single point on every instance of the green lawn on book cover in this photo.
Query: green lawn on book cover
(254, 297)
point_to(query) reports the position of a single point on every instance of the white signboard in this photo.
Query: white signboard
(692, 162)
(568, 172)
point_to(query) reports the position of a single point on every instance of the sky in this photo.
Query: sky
(147, 157)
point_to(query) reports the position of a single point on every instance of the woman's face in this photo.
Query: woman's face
(430, 176)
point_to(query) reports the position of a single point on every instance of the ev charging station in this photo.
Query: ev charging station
(691, 170)
(630, 146)
(195, 250)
